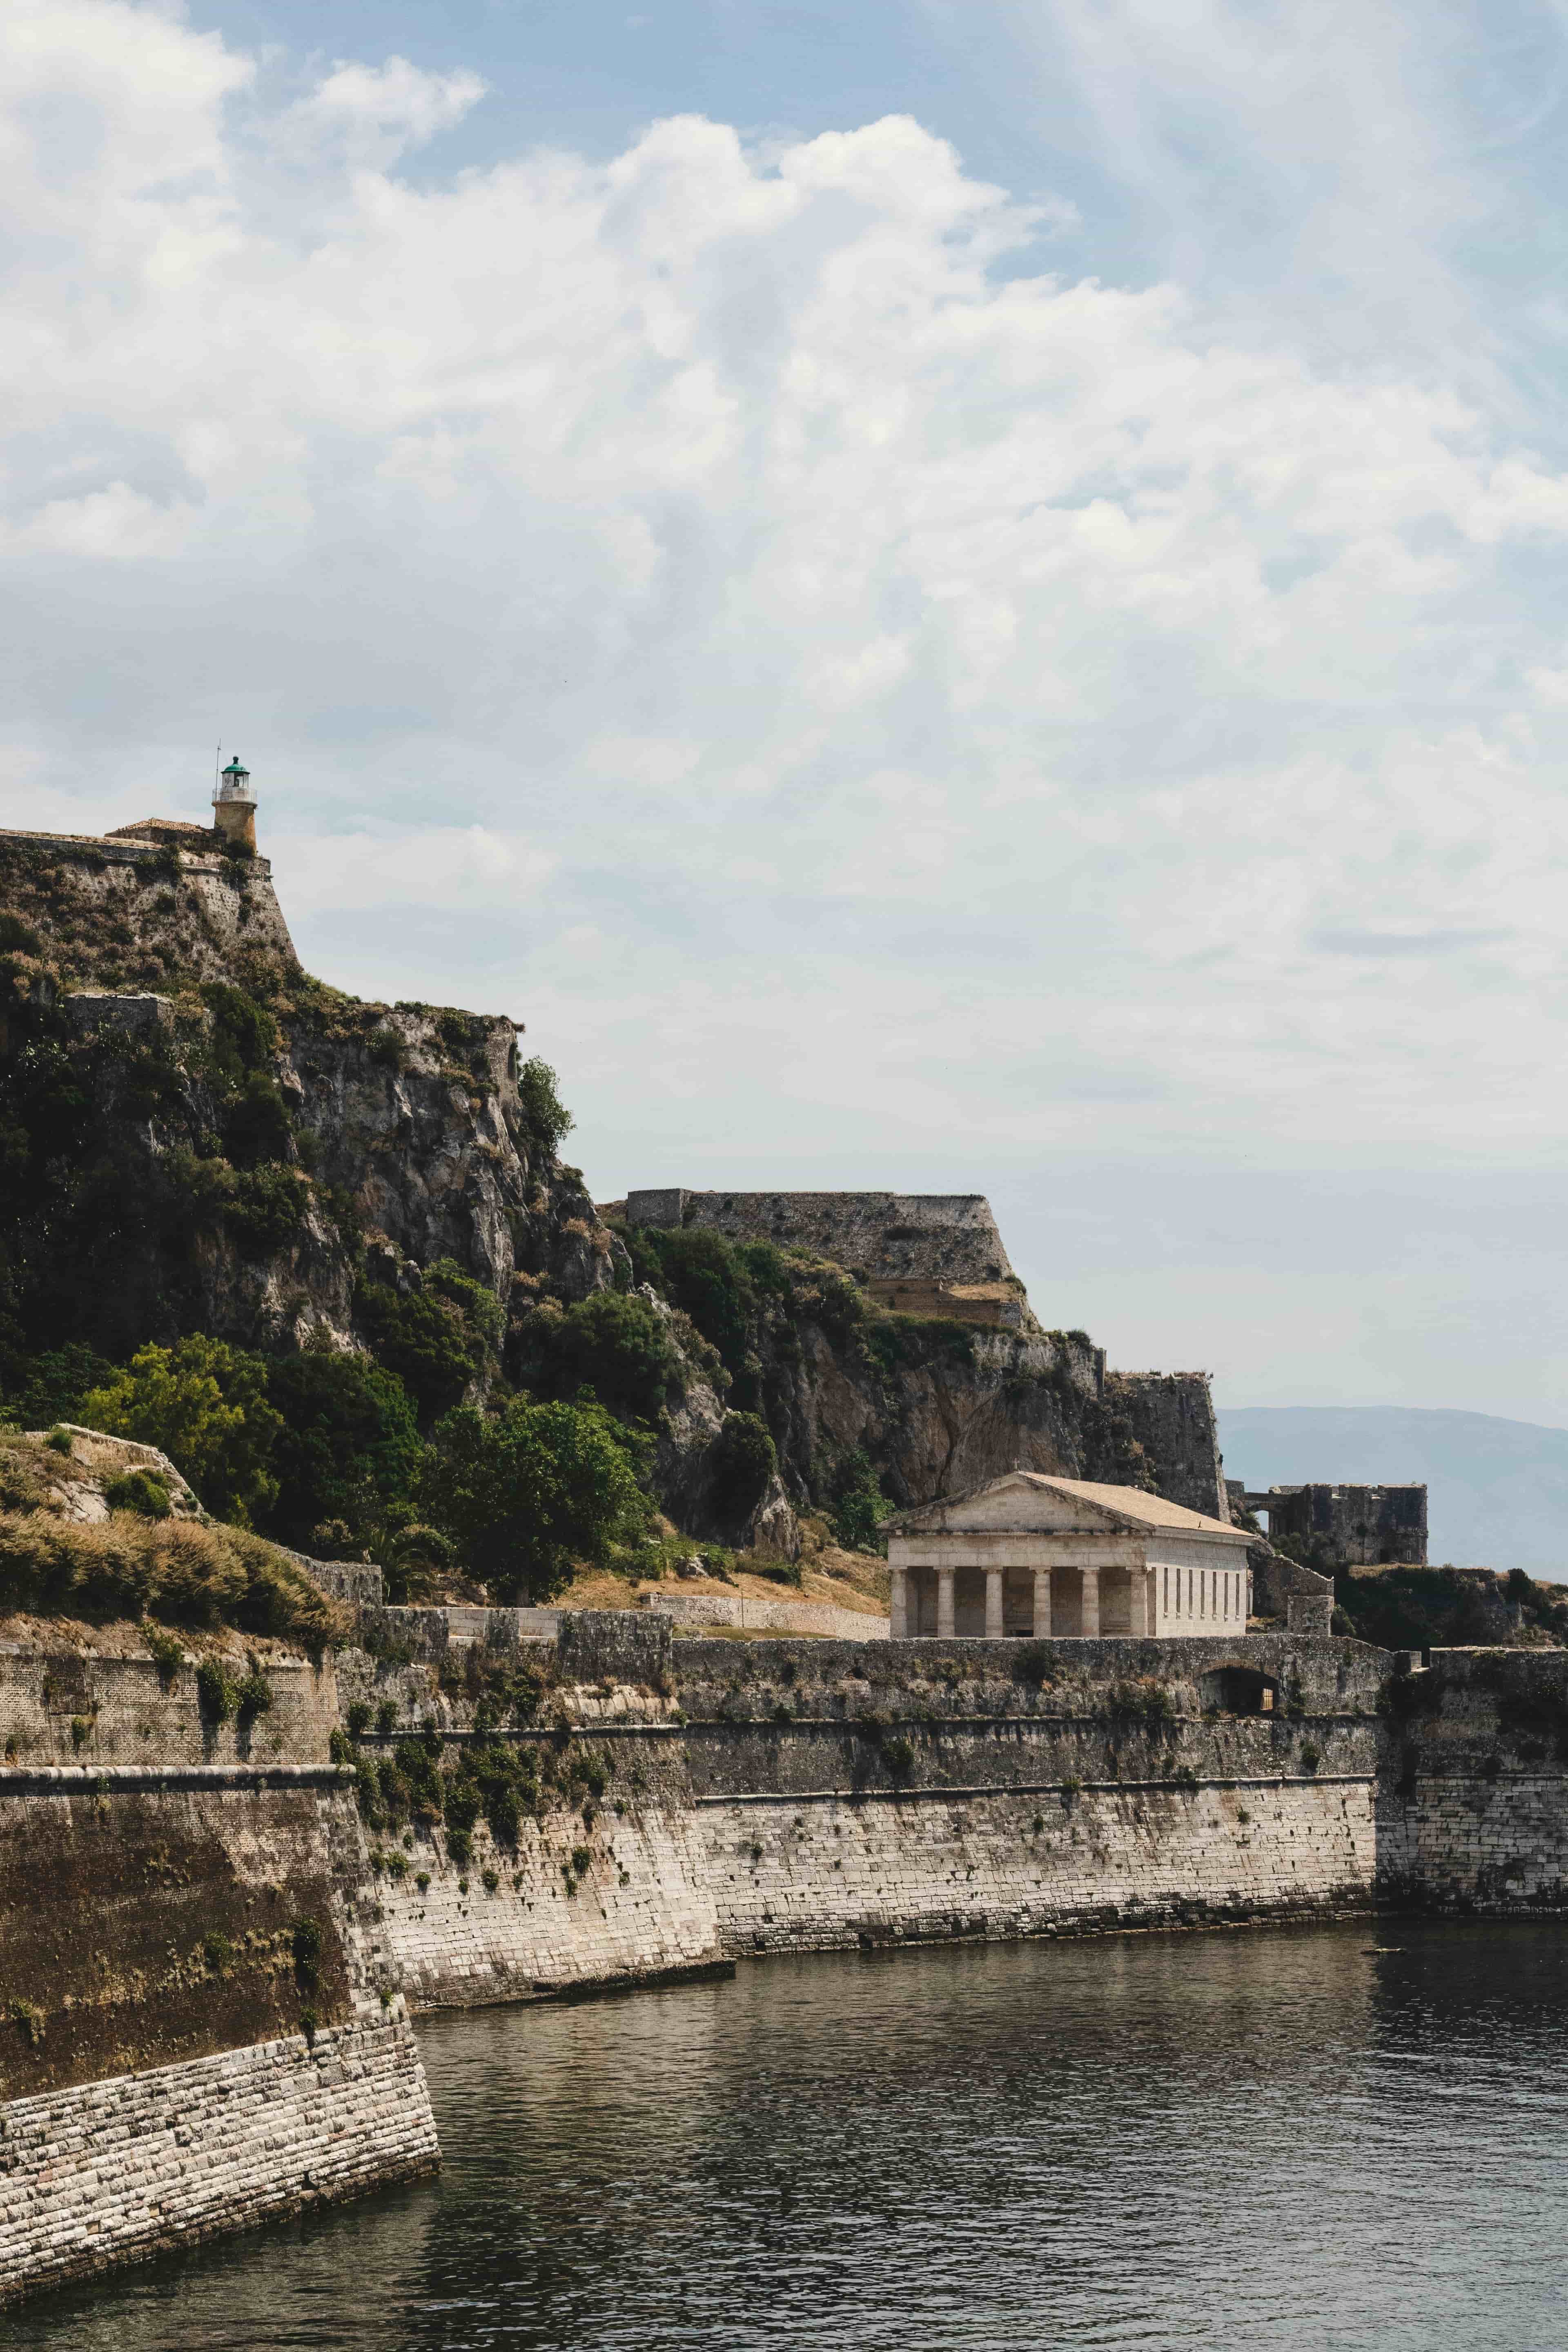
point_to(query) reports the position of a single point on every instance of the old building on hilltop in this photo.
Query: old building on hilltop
(1342, 1526)
(937, 1254)
(1042, 1556)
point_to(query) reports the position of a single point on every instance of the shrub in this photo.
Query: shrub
(81, 1730)
(581, 1856)
(615, 1344)
(386, 1717)
(204, 1405)
(218, 1691)
(216, 1951)
(267, 1208)
(436, 1339)
(179, 1570)
(527, 1490)
(545, 1118)
(742, 1460)
(460, 1845)
(898, 1755)
(29, 2019)
(254, 1695)
(491, 1881)
(1033, 1666)
(166, 1651)
(256, 1127)
(859, 1505)
(358, 1717)
(140, 1490)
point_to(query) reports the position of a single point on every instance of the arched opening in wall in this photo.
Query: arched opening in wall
(1239, 1690)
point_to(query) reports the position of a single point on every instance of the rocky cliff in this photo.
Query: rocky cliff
(199, 1137)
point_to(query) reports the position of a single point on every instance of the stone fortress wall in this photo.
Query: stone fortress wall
(163, 893)
(758, 1796)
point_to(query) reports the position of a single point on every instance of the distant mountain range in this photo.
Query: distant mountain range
(1498, 1489)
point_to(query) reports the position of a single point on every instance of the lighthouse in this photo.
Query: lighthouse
(233, 807)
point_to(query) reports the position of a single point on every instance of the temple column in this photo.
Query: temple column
(1089, 1621)
(898, 1606)
(993, 1603)
(944, 1600)
(1042, 1603)
(1143, 1601)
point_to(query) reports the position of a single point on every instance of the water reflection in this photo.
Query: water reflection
(1146, 2141)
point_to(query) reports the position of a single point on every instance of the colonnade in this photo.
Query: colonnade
(1141, 1598)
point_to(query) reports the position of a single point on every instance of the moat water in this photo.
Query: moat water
(1274, 2136)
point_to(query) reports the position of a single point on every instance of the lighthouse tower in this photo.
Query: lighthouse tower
(234, 806)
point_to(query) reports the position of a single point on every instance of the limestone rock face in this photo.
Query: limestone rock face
(393, 1136)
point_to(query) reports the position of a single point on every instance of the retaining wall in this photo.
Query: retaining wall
(111, 2172)
(171, 1939)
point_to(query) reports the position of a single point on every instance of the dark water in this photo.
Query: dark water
(1265, 2138)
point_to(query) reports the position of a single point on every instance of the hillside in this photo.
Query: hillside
(326, 1256)
(1499, 1489)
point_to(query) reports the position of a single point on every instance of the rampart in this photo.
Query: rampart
(879, 1238)
(125, 910)
(194, 2035)
(706, 1800)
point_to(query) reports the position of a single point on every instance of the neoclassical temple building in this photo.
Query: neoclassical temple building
(1037, 1555)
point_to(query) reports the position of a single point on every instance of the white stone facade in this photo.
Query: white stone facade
(1031, 1555)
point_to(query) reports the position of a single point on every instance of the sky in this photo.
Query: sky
(942, 597)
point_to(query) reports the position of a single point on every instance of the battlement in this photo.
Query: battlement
(924, 1244)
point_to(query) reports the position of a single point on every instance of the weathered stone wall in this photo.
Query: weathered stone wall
(918, 1789)
(110, 912)
(879, 1237)
(1473, 1811)
(114, 2171)
(624, 1899)
(71, 1704)
(111, 1883)
(808, 1874)
(172, 1940)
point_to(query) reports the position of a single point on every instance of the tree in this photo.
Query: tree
(204, 1405)
(525, 1492)
(545, 1115)
(616, 1345)
(348, 1445)
(438, 1338)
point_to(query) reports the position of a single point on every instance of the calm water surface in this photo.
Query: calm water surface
(1276, 2137)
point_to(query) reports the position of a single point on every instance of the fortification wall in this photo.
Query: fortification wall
(930, 1237)
(112, 2172)
(191, 2029)
(66, 1702)
(1473, 1811)
(620, 1898)
(113, 913)
(801, 1873)
(917, 1790)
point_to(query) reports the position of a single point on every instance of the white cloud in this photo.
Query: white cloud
(831, 680)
